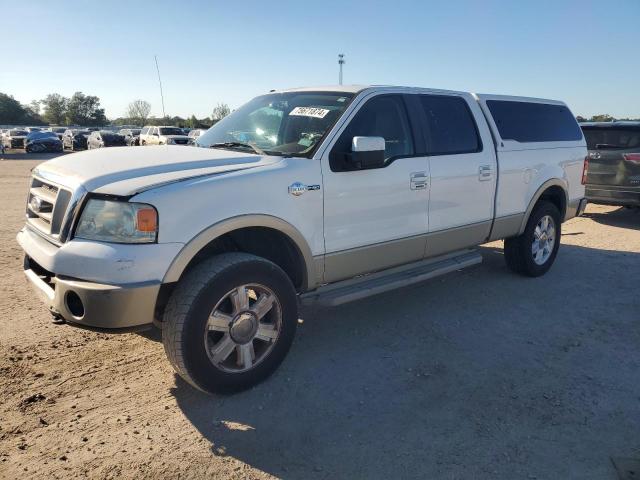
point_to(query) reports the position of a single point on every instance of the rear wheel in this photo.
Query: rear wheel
(230, 322)
(533, 252)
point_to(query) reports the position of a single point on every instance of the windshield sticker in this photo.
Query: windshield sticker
(309, 112)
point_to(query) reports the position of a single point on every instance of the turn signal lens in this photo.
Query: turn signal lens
(585, 170)
(147, 220)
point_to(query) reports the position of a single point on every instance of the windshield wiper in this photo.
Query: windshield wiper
(252, 146)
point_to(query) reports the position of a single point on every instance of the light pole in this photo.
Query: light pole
(341, 62)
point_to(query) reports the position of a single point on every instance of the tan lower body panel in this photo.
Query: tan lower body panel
(373, 258)
(505, 227)
(452, 239)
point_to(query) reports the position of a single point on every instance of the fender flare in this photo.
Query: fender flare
(197, 243)
(554, 182)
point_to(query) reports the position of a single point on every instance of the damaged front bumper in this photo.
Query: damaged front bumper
(98, 285)
(91, 304)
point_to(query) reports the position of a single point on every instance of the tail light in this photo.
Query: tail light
(632, 157)
(585, 170)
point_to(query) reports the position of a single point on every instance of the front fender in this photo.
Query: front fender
(191, 248)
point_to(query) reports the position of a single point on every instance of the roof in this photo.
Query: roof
(327, 88)
(359, 88)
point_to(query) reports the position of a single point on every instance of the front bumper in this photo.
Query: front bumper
(100, 285)
(93, 304)
(613, 195)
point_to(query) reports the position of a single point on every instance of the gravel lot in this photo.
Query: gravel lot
(479, 374)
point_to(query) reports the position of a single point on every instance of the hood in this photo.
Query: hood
(185, 137)
(130, 170)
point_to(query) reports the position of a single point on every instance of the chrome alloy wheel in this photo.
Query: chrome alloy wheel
(544, 238)
(243, 328)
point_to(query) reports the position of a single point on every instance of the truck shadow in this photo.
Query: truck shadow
(622, 217)
(479, 371)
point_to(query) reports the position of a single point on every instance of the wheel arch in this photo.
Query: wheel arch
(554, 190)
(266, 224)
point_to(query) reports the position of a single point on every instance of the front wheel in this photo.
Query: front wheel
(533, 252)
(230, 322)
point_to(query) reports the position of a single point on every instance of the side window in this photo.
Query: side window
(451, 128)
(144, 131)
(383, 116)
(534, 122)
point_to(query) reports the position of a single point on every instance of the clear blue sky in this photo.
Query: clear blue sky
(583, 52)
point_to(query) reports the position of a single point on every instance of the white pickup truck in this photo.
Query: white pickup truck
(313, 195)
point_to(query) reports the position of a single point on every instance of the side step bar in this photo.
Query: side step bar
(367, 285)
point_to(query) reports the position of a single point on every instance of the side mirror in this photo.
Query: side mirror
(367, 152)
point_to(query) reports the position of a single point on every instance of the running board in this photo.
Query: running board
(346, 291)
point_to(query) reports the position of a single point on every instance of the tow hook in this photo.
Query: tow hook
(56, 318)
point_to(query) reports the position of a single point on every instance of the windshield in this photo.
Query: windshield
(58, 130)
(17, 133)
(609, 138)
(171, 131)
(291, 123)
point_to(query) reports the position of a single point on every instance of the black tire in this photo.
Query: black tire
(187, 314)
(518, 250)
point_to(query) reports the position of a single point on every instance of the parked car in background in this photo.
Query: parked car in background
(334, 195)
(58, 131)
(14, 138)
(131, 136)
(613, 174)
(194, 134)
(163, 136)
(42, 141)
(104, 138)
(75, 139)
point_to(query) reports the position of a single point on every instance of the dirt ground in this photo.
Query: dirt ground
(478, 374)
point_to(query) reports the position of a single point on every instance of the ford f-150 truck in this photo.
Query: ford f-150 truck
(311, 195)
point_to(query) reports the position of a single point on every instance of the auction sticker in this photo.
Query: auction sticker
(309, 112)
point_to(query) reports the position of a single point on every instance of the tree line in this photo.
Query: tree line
(138, 114)
(603, 117)
(79, 109)
(85, 110)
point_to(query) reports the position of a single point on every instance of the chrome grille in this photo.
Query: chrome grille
(46, 206)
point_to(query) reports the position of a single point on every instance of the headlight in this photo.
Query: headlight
(170, 141)
(118, 221)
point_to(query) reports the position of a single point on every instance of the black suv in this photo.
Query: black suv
(613, 174)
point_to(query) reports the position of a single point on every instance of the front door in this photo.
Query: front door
(374, 218)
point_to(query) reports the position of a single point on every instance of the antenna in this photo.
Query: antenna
(164, 115)
(341, 62)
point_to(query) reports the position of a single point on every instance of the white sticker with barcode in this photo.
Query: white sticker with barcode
(309, 112)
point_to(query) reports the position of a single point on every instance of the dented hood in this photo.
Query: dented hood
(130, 170)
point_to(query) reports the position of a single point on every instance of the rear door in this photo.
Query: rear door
(462, 170)
(614, 154)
